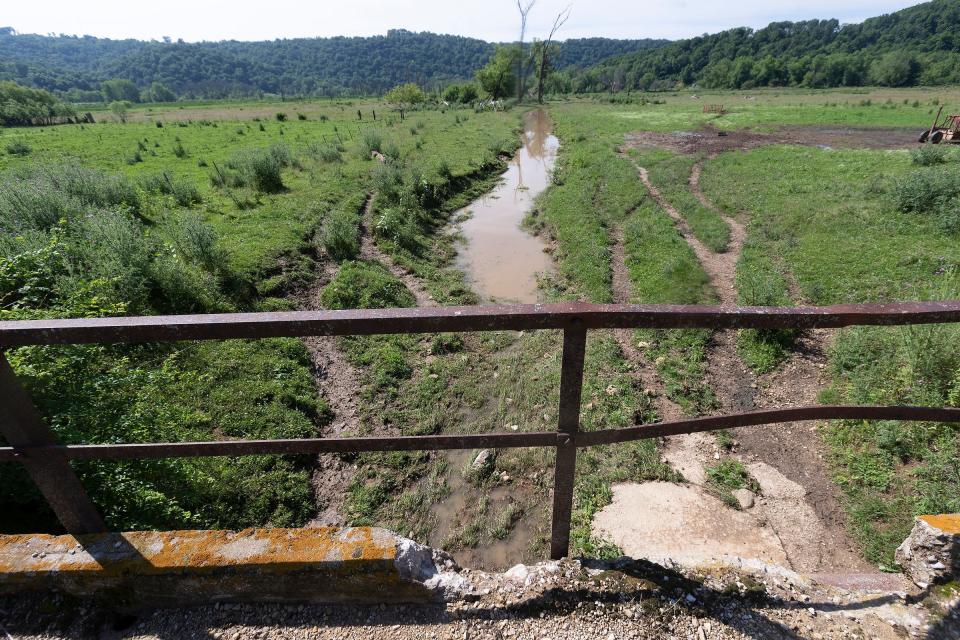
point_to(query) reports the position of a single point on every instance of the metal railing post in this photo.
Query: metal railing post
(568, 424)
(22, 426)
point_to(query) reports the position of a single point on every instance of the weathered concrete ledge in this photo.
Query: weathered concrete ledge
(931, 553)
(149, 569)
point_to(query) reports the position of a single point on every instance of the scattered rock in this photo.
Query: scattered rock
(744, 498)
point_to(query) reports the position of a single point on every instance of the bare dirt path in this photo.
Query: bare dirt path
(797, 451)
(370, 251)
(339, 382)
(798, 505)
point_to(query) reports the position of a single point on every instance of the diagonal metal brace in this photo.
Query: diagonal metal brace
(22, 426)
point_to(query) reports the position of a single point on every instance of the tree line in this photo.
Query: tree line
(914, 46)
(87, 69)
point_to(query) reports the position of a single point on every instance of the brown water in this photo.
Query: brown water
(500, 258)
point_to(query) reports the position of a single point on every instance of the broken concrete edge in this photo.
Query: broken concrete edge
(930, 555)
(151, 568)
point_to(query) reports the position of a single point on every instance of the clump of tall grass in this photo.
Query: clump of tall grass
(931, 192)
(18, 148)
(325, 152)
(179, 150)
(371, 140)
(257, 168)
(184, 192)
(38, 197)
(340, 235)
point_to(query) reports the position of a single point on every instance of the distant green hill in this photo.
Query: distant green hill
(75, 67)
(918, 45)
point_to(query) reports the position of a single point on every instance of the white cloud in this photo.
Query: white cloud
(488, 19)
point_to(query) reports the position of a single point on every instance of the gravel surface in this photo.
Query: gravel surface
(626, 599)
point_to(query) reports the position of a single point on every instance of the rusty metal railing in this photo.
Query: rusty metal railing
(33, 444)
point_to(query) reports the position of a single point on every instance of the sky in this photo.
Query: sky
(492, 20)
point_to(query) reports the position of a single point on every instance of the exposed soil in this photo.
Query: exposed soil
(711, 141)
(338, 382)
(798, 500)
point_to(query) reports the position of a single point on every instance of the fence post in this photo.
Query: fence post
(568, 423)
(22, 426)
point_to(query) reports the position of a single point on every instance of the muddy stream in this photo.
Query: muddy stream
(500, 258)
(502, 262)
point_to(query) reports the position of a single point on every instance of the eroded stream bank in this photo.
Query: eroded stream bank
(501, 260)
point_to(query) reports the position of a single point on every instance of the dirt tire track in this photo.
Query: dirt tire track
(339, 382)
(623, 294)
(370, 251)
(797, 451)
(799, 509)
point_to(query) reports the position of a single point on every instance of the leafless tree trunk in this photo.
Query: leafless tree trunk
(562, 17)
(521, 68)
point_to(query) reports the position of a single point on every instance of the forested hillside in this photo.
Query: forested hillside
(75, 67)
(918, 45)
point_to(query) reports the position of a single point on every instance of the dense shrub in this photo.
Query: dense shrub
(922, 191)
(40, 196)
(18, 148)
(934, 193)
(370, 141)
(325, 152)
(24, 106)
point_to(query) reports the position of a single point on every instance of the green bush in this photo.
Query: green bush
(258, 168)
(38, 197)
(948, 217)
(922, 191)
(365, 285)
(929, 154)
(196, 241)
(179, 150)
(281, 117)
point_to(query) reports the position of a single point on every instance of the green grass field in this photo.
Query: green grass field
(282, 198)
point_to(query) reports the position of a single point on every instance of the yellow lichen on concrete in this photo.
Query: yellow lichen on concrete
(946, 522)
(155, 552)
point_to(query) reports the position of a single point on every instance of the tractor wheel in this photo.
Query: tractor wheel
(937, 137)
(924, 136)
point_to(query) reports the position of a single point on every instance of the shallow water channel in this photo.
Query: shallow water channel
(500, 258)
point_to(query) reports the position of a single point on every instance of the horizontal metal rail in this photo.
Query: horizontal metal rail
(32, 444)
(153, 450)
(220, 326)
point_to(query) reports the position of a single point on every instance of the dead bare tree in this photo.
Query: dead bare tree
(562, 17)
(521, 68)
